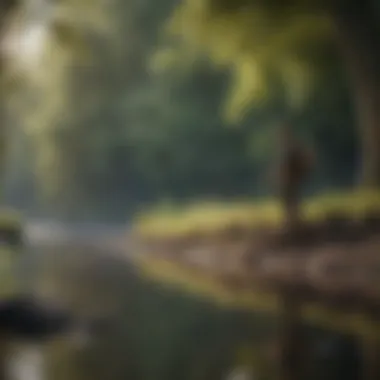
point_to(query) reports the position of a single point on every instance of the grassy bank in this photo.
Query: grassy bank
(216, 217)
(211, 217)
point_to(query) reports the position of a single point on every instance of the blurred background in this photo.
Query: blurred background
(124, 120)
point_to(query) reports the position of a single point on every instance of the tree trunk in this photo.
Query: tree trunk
(358, 36)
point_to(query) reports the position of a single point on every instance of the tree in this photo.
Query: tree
(76, 125)
(103, 135)
(41, 43)
(287, 42)
(358, 35)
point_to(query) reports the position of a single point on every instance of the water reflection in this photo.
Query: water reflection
(161, 333)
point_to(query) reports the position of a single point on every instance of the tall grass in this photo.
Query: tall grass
(171, 221)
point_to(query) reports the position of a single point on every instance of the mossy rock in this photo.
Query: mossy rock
(11, 228)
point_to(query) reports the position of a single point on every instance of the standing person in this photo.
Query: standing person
(295, 163)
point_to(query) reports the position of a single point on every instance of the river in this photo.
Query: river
(158, 332)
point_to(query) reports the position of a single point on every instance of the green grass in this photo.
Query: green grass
(211, 217)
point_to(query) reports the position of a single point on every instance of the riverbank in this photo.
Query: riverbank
(174, 275)
(239, 256)
(215, 218)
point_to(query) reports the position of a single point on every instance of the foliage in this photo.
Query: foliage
(264, 45)
(55, 40)
(104, 136)
(213, 217)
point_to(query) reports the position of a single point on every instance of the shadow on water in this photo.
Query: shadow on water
(161, 333)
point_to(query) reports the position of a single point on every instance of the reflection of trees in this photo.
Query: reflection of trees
(163, 334)
(157, 334)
